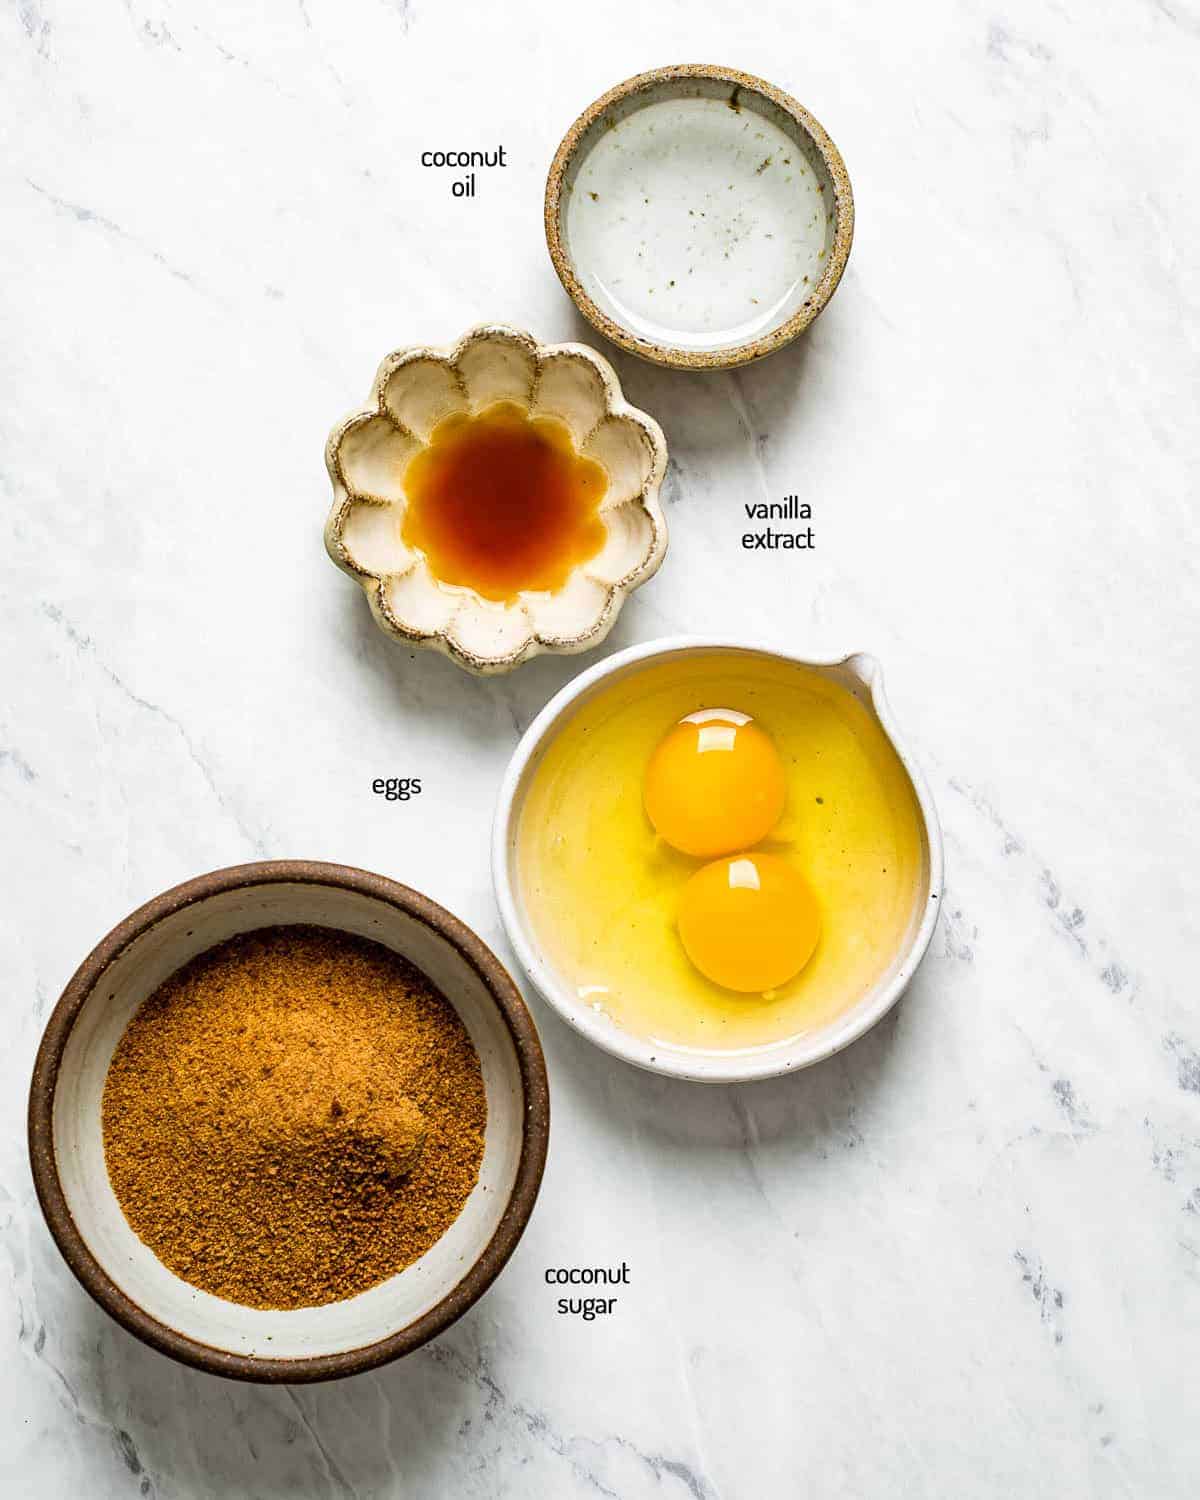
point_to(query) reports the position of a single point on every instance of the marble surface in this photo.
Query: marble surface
(960, 1259)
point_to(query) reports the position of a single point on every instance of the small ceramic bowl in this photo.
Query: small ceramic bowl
(859, 674)
(67, 1152)
(698, 216)
(368, 453)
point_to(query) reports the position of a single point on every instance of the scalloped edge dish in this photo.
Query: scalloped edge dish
(368, 452)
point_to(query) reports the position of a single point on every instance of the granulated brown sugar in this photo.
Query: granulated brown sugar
(292, 1117)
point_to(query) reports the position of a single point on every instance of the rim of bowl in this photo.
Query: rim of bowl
(735, 354)
(480, 1275)
(710, 1067)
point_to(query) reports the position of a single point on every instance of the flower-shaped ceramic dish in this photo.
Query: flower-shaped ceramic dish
(368, 454)
(698, 216)
(858, 674)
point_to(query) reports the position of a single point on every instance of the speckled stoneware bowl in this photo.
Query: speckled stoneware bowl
(698, 216)
(67, 1150)
(414, 390)
(860, 675)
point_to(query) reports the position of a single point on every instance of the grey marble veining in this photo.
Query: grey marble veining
(961, 1258)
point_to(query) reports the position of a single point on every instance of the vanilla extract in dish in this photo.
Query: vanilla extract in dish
(501, 502)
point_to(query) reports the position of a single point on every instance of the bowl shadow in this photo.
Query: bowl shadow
(807, 1108)
(177, 1429)
(402, 680)
(703, 412)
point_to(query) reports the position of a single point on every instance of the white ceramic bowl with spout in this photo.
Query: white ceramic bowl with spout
(861, 675)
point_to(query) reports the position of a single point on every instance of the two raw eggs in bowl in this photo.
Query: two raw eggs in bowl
(715, 784)
(716, 860)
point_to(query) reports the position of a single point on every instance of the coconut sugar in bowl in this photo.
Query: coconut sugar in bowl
(364, 1116)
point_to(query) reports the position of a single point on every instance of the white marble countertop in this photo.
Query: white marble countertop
(960, 1259)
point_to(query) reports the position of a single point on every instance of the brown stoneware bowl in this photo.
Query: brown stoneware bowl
(67, 1151)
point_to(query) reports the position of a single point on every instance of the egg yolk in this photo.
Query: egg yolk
(714, 784)
(749, 923)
